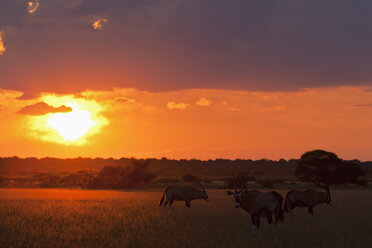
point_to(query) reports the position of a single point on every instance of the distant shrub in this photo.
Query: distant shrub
(188, 178)
(45, 180)
(266, 183)
(207, 181)
(117, 177)
(240, 181)
(82, 178)
(168, 180)
(257, 173)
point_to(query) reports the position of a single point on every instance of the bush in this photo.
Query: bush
(207, 181)
(240, 181)
(188, 178)
(257, 173)
(266, 183)
(118, 177)
(81, 178)
(45, 180)
(168, 180)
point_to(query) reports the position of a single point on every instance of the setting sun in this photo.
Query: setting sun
(65, 120)
(71, 126)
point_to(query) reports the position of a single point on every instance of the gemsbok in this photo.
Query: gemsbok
(306, 198)
(183, 193)
(259, 204)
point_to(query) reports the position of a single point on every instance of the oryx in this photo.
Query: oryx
(259, 204)
(306, 198)
(183, 193)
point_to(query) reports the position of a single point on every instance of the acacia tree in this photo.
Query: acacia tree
(325, 168)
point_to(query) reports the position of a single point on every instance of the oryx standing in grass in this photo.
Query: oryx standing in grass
(306, 198)
(183, 193)
(259, 204)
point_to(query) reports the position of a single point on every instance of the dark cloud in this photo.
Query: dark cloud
(42, 108)
(162, 45)
(12, 13)
(123, 99)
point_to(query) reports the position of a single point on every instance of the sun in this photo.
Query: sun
(84, 120)
(71, 126)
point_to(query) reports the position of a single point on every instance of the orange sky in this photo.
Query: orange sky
(192, 123)
(185, 79)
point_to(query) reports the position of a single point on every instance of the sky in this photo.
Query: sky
(185, 79)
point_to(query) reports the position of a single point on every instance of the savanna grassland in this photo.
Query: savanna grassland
(77, 218)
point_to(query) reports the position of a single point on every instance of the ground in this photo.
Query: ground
(78, 218)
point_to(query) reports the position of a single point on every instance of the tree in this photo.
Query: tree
(110, 177)
(118, 177)
(82, 178)
(45, 180)
(240, 181)
(188, 178)
(325, 168)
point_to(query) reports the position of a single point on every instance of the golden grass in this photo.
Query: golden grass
(73, 218)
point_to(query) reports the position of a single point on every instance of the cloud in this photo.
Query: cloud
(266, 97)
(6, 95)
(234, 109)
(231, 108)
(2, 46)
(98, 24)
(203, 102)
(163, 45)
(279, 107)
(42, 108)
(32, 6)
(367, 89)
(362, 105)
(174, 105)
(124, 99)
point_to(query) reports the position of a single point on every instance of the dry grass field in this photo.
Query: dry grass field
(74, 218)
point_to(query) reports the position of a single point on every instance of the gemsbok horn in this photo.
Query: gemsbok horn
(259, 204)
(183, 193)
(306, 198)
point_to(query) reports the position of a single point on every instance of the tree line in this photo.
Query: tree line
(137, 173)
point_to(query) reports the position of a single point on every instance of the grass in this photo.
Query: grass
(74, 218)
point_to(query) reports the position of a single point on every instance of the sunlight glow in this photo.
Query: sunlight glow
(68, 128)
(71, 126)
